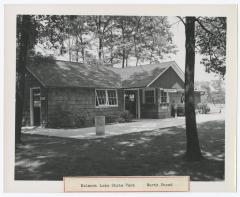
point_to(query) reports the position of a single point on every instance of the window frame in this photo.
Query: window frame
(107, 100)
(167, 96)
(154, 95)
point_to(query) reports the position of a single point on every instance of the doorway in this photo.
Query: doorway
(131, 99)
(35, 106)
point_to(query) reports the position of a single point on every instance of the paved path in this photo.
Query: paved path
(120, 128)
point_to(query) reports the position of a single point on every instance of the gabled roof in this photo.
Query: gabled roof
(144, 75)
(71, 74)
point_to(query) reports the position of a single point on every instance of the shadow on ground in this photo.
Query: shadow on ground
(147, 153)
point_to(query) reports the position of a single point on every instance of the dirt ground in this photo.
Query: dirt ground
(137, 125)
(147, 153)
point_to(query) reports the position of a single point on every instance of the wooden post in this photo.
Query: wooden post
(139, 104)
(124, 107)
(31, 108)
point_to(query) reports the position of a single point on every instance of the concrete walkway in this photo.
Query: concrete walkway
(120, 128)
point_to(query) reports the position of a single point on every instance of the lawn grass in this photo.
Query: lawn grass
(147, 153)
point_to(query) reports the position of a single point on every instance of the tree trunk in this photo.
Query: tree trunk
(135, 50)
(77, 56)
(123, 54)
(123, 59)
(70, 55)
(111, 55)
(137, 61)
(135, 41)
(83, 55)
(76, 49)
(100, 47)
(20, 78)
(111, 49)
(151, 56)
(69, 49)
(193, 152)
(82, 49)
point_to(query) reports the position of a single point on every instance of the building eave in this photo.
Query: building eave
(40, 81)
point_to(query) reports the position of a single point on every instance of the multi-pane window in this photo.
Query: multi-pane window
(106, 98)
(36, 97)
(101, 97)
(112, 97)
(163, 96)
(149, 96)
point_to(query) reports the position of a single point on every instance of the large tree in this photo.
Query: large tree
(193, 151)
(157, 39)
(24, 37)
(211, 44)
(30, 31)
(115, 39)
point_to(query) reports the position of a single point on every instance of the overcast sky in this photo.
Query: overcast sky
(179, 40)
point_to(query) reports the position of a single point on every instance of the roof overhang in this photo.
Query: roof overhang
(37, 78)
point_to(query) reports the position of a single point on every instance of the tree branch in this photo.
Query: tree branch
(204, 27)
(174, 23)
(181, 19)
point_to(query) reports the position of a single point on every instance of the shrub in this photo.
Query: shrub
(127, 116)
(110, 119)
(79, 121)
(120, 120)
(60, 119)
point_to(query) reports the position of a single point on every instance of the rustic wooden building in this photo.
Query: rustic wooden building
(67, 94)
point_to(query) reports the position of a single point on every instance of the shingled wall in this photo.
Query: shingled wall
(75, 107)
(32, 82)
(156, 110)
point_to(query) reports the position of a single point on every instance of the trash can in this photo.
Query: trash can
(100, 125)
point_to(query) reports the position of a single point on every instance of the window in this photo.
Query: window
(112, 97)
(36, 97)
(106, 98)
(100, 97)
(163, 96)
(149, 96)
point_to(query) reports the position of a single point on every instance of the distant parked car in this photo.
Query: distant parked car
(203, 108)
(180, 110)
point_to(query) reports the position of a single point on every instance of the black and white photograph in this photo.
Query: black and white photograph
(119, 95)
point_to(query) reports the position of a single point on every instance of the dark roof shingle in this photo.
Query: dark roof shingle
(70, 74)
